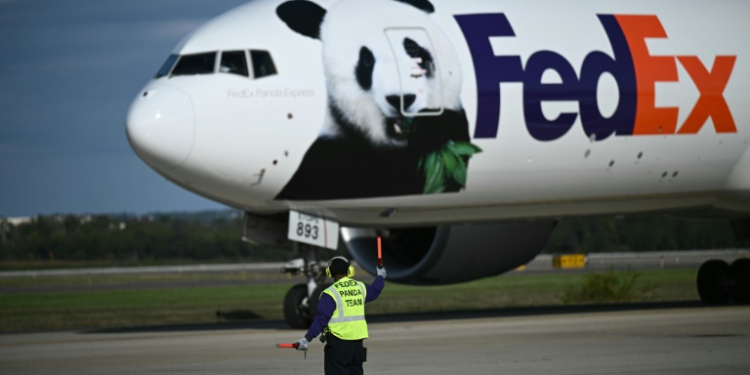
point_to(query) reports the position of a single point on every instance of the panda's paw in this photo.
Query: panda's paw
(399, 128)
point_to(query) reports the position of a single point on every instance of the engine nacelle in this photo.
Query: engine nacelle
(448, 254)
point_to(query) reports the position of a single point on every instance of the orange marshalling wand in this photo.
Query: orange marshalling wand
(380, 254)
(291, 346)
(288, 346)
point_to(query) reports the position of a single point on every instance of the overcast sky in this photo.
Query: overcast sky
(69, 70)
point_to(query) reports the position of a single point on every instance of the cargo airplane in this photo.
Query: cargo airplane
(460, 132)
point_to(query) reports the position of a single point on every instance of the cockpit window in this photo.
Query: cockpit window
(233, 62)
(167, 66)
(262, 63)
(199, 63)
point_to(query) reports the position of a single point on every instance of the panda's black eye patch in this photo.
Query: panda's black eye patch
(414, 50)
(366, 57)
(411, 47)
(364, 68)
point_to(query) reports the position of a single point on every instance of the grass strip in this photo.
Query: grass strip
(82, 280)
(84, 310)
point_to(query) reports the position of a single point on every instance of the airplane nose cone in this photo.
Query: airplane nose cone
(161, 126)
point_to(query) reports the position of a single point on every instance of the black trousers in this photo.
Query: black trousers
(343, 357)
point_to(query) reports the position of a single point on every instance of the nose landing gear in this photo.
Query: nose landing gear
(301, 301)
(719, 282)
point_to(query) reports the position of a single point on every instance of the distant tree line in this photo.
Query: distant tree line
(121, 238)
(646, 233)
(215, 236)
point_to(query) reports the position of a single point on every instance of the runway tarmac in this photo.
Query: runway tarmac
(680, 339)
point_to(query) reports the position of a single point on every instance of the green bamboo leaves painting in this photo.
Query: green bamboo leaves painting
(446, 164)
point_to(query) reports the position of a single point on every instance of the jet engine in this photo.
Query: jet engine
(448, 254)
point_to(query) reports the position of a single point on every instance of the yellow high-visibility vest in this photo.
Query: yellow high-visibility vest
(348, 320)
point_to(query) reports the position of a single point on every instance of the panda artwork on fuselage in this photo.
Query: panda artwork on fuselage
(394, 123)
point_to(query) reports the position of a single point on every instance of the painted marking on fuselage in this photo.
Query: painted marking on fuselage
(634, 69)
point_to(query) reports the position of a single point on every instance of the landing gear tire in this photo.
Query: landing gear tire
(295, 311)
(740, 273)
(713, 282)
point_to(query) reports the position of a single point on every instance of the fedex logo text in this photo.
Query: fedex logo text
(633, 68)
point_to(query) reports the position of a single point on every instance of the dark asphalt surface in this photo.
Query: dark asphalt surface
(672, 339)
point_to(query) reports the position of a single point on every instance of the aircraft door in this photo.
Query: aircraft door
(421, 91)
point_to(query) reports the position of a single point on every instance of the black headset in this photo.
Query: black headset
(349, 273)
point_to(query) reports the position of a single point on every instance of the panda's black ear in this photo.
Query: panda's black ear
(302, 16)
(424, 5)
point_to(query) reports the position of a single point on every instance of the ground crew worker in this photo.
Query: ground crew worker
(341, 318)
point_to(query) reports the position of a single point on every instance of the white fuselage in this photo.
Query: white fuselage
(238, 140)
